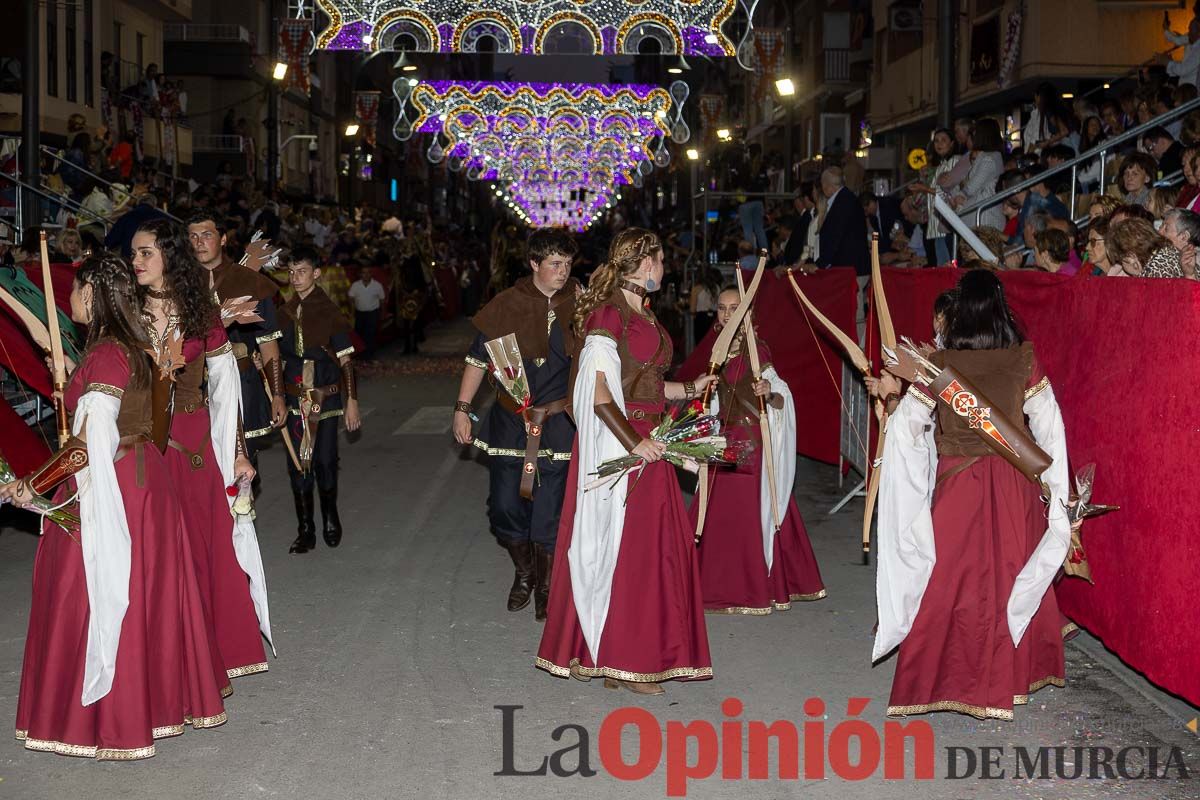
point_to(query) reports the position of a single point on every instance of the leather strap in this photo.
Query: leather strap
(960, 467)
(137, 444)
(349, 382)
(611, 416)
(535, 419)
(196, 457)
(274, 372)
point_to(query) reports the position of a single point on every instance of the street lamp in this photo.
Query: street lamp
(352, 129)
(723, 134)
(403, 64)
(785, 87)
(280, 71)
(693, 154)
(679, 66)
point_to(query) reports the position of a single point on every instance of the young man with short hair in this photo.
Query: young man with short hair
(529, 450)
(319, 381)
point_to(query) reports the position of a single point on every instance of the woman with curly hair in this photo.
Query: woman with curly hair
(1136, 248)
(116, 656)
(625, 600)
(205, 451)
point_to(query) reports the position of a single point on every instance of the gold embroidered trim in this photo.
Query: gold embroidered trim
(602, 332)
(922, 398)
(227, 691)
(475, 362)
(775, 606)
(269, 337)
(979, 712)
(84, 751)
(207, 722)
(347, 351)
(1037, 388)
(167, 731)
(622, 675)
(1068, 629)
(249, 669)
(504, 451)
(105, 388)
(336, 412)
(220, 351)
(257, 432)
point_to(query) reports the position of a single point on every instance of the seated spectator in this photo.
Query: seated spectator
(1124, 212)
(1182, 229)
(1073, 263)
(1051, 250)
(991, 238)
(1135, 177)
(747, 260)
(787, 244)
(1103, 206)
(1167, 152)
(1036, 199)
(883, 216)
(1189, 191)
(1113, 119)
(1035, 223)
(120, 158)
(1141, 251)
(1097, 262)
(1162, 200)
(70, 244)
(1048, 122)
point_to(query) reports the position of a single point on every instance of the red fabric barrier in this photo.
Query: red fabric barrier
(1119, 353)
(804, 362)
(21, 446)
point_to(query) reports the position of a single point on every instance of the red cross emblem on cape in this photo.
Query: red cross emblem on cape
(966, 404)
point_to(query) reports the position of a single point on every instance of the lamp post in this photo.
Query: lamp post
(30, 119)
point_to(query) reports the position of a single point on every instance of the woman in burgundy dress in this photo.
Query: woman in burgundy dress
(967, 549)
(625, 598)
(205, 450)
(118, 652)
(754, 559)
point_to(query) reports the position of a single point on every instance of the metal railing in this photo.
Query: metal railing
(837, 66)
(53, 199)
(1072, 166)
(109, 185)
(191, 32)
(217, 143)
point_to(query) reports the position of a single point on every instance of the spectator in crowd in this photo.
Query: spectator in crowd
(747, 258)
(1162, 200)
(1097, 254)
(1126, 211)
(1182, 229)
(121, 234)
(1051, 250)
(70, 246)
(702, 301)
(752, 179)
(368, 295)
(1189, 190)
(120, 158)
(1049, 123)
(1187, 69)
(1035, 223)
(1037, 198)
(1073, 263)
(991, 238)
(1102, 206)
(843, 237)
(1141, 251)
(1135, 177)
(1167, 152)
(943, 160)
(805, 206)
(788, 245)
(346, 246)
(884, 217)
(986, 165)
(1113, 119)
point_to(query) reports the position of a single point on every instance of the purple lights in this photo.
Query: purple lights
(351, 36)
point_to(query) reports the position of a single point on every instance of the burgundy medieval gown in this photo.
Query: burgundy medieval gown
(733, 572)
(655, 623)
(987, 520)
(165, 676)
(224, 587)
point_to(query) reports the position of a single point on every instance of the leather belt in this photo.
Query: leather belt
(960, 467)
(535, 420)
(196, 457)
(315, 398)
(654, 417)
(135, 444)
(296, 390)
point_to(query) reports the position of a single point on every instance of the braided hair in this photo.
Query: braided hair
(625, 255)
(186, 280)
(116, 314)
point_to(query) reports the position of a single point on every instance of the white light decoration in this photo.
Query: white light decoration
(610, 27)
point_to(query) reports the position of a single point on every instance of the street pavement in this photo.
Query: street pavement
(395, 650)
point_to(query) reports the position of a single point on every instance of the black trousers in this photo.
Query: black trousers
(324, 472)
(515, 519)
(366, 325)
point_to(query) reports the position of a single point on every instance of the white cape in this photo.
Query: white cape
(225, 408)
(599, 513)
(906, 540)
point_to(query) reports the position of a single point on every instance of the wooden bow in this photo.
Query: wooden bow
(887, 335)
(716, 361)
(764, 422)
(57, 359)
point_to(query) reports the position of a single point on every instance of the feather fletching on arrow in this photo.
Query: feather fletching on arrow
(260, 255)
(240, 310)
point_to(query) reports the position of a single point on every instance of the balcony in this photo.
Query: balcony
(217, 51)
(210, 143)
(837, 65)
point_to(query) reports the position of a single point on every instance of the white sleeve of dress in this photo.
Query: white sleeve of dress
(1046, 425)
(104, 539)
(905, 536)
(783, 450)
(600, 512)
(225, 408)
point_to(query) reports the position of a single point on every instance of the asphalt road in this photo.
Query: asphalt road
(396, 649)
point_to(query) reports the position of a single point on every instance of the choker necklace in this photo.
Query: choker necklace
(158, 295)
(630, 286)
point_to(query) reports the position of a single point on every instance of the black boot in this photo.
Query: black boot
(543, 562)
(307, 538)
(332, 531)
(522, 587)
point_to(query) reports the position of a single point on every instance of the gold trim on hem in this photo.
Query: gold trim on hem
(1068, 629)
(754, 611)
(207, 722)
(167, 731)
(979, 712)
(227, 691)
(105, 388)
(503, 451)
(622, 675)
(249, 669)
(1037, 388)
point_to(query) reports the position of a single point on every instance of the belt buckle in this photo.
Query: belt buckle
(197, 461)
(638, 414)
(535, 430)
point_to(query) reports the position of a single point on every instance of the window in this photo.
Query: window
(72, 60)
(89, 69)
(52, 48)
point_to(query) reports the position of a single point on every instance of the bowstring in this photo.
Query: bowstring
(837, 388)
(26, 396)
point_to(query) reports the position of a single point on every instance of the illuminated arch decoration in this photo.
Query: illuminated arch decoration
(566, 20)
(546, 143)
(616, 27)
(407, 22)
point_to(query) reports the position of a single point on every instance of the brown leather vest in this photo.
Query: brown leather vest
(739, 405)
(136, 416)
(641, 381)
(1001, 375)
